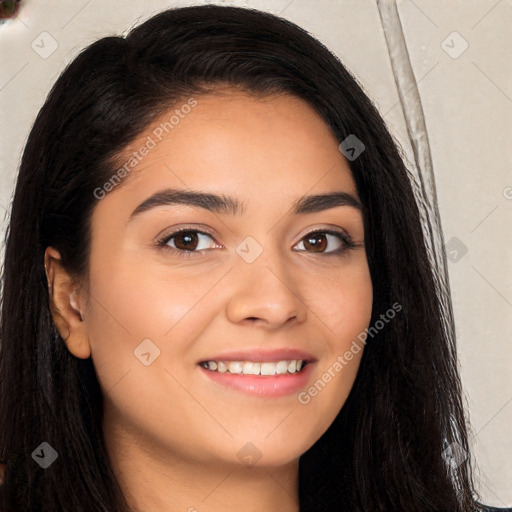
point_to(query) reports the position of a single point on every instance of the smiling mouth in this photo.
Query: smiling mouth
(283, 367)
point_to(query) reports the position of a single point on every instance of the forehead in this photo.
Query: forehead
(237, 143)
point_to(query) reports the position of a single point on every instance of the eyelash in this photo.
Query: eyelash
(347, 241)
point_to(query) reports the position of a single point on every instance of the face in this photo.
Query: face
(259, 276)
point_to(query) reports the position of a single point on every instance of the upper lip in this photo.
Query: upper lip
(260, 355)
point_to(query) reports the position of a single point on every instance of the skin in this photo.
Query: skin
(173, 435)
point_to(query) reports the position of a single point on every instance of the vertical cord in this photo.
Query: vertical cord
(423, 176)
(425, 188)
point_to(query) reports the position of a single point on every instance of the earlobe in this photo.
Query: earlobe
(65, 305)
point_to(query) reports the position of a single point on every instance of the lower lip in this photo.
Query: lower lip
(265, 386)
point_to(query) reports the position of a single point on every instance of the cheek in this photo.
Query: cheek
(133, 293)
(343, 303)
(136, 301)
(145, 303)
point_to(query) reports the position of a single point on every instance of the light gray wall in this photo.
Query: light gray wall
(467, 100)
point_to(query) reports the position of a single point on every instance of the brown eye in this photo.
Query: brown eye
(186, 240)
(316, 242)
(319, 241)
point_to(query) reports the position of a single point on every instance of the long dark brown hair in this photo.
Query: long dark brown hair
(385, 450)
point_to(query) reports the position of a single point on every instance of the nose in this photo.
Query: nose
(265, 293)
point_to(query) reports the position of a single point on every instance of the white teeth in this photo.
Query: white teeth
(235, 367)
(282, 367)
(268, 369)
(254, 368)
(251, 368)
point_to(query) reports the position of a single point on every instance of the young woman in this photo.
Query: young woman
(216, 293)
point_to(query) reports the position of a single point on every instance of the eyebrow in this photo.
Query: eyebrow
(226, 204)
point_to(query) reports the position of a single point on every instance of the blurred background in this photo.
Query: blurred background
(459, 52)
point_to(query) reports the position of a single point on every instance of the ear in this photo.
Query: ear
(66, 305)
